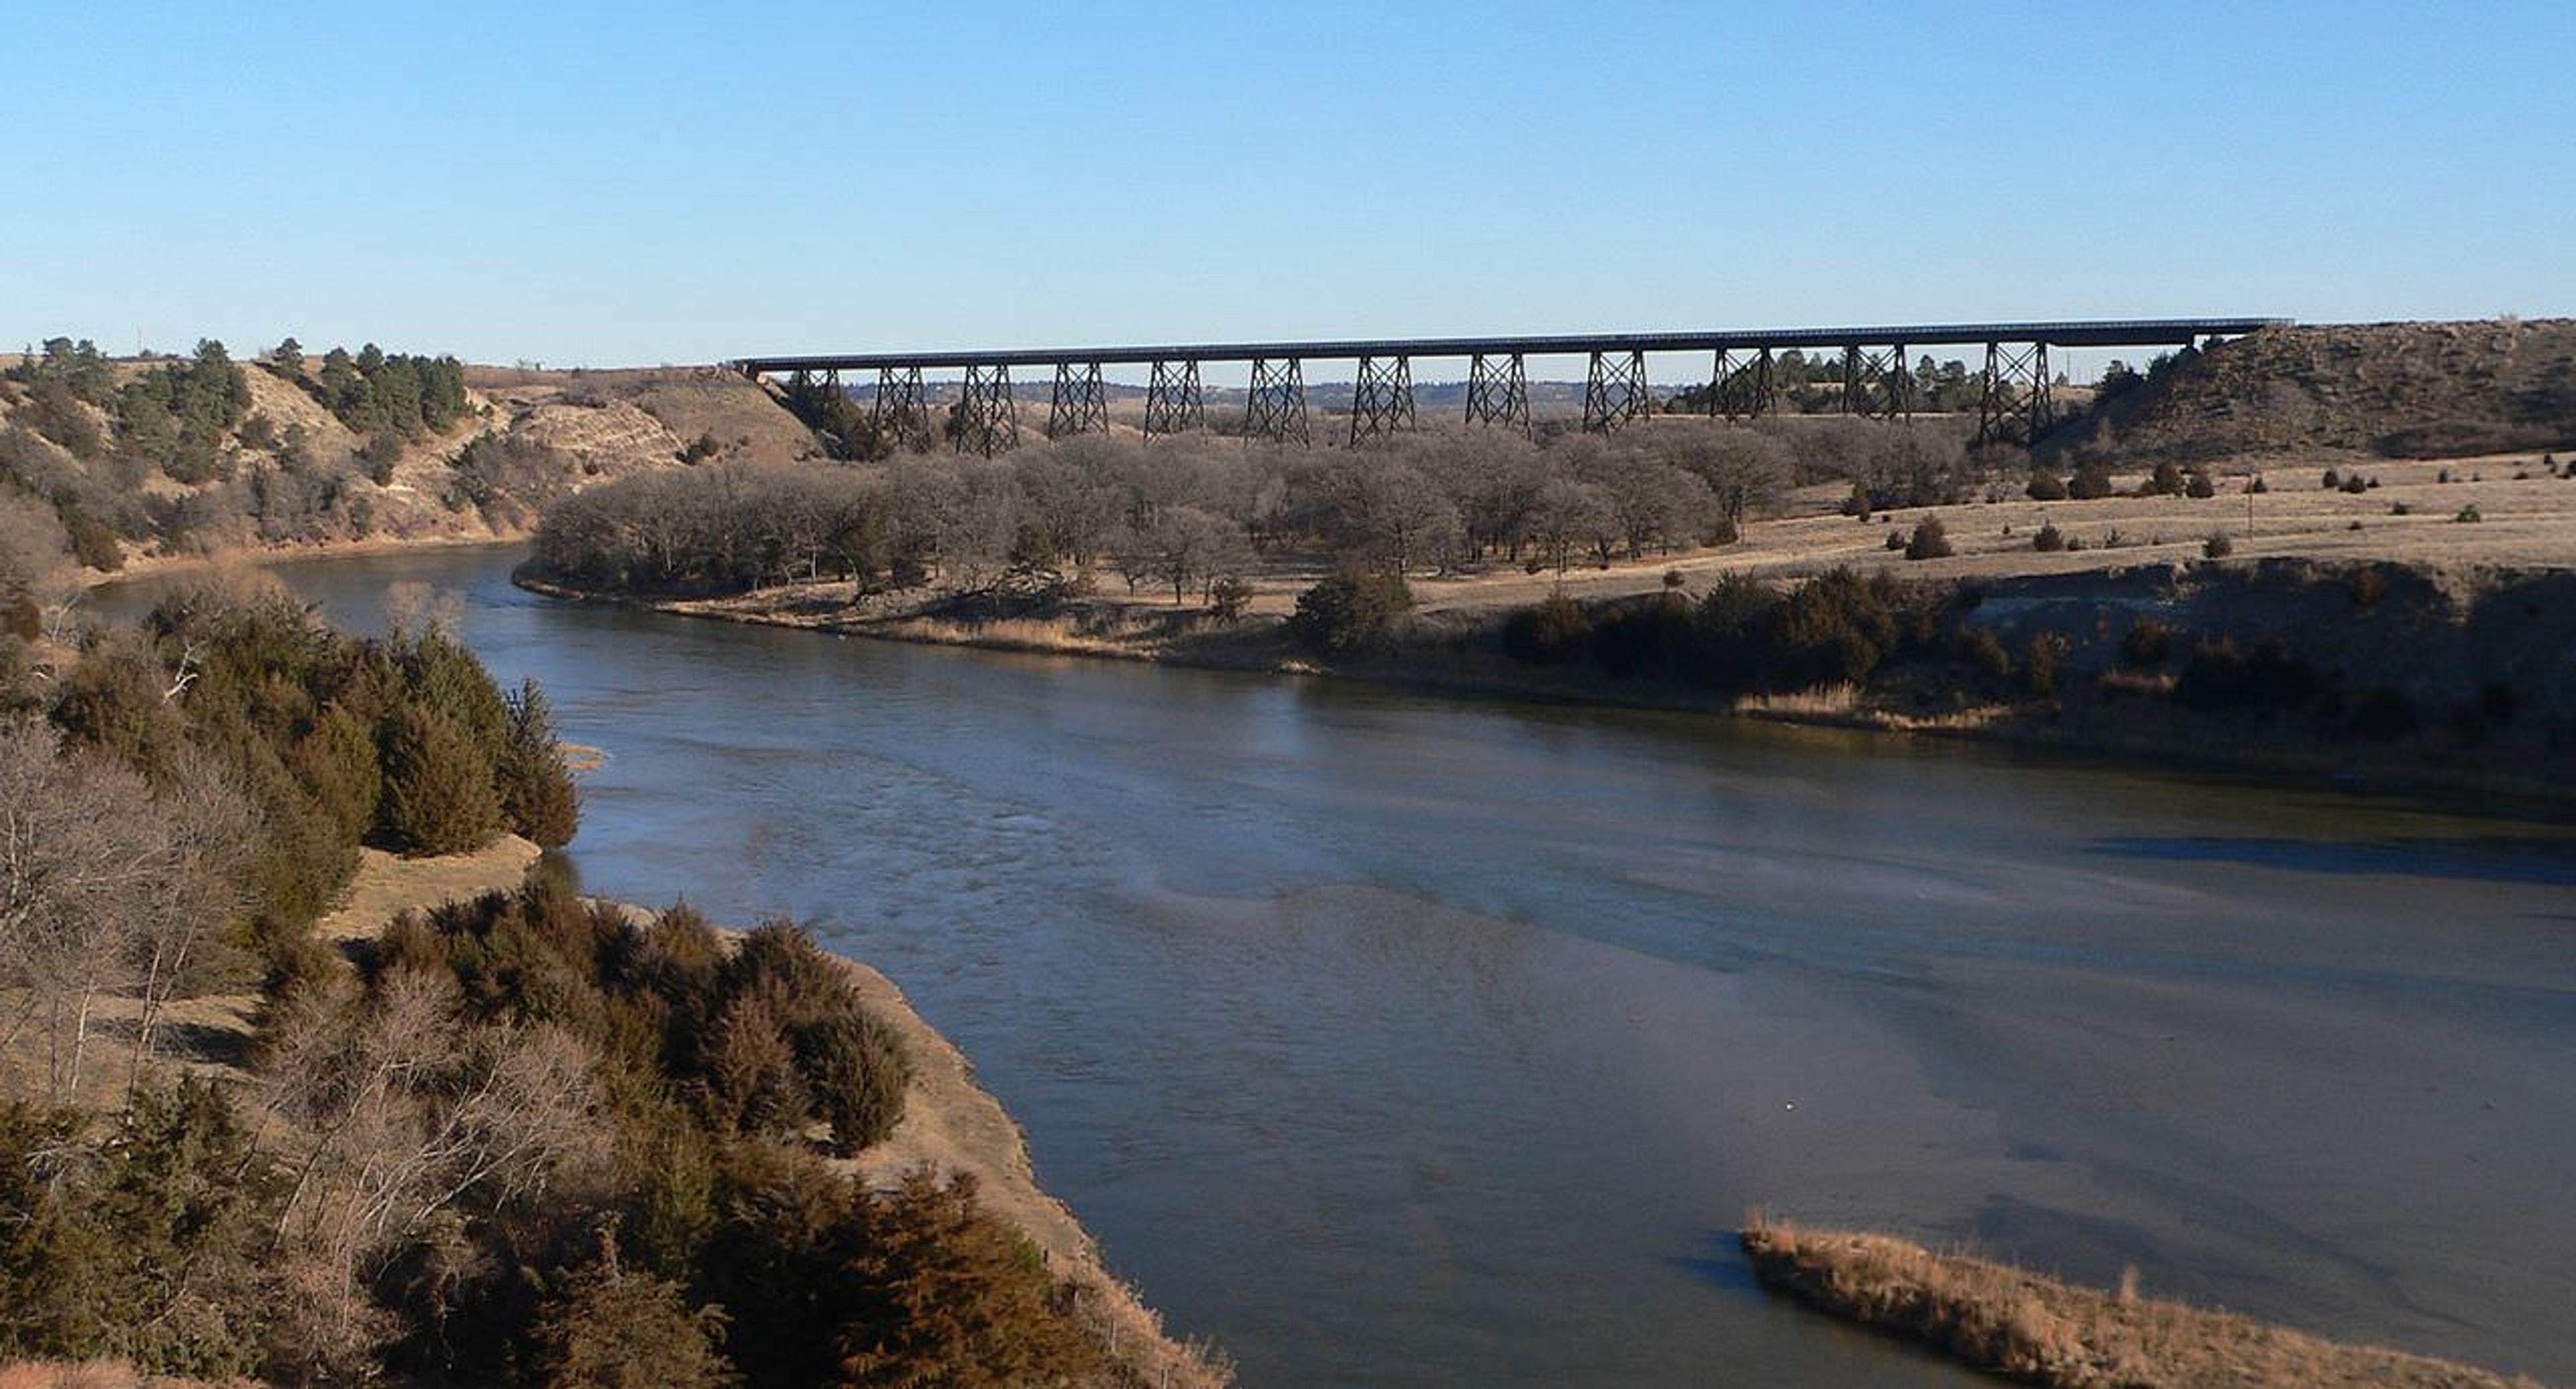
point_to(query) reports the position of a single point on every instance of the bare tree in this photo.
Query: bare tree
(105, 888)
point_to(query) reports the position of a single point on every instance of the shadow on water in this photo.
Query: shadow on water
(2546, 863)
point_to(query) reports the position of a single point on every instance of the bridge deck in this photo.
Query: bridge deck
(2138, 332)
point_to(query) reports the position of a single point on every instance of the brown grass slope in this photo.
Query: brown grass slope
(2005, 1320)
(2412, 390)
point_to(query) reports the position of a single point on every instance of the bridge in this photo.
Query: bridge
(2014, 406)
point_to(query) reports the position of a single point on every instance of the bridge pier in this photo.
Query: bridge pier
(2016, 406)
(1615, 391)
(1498, 391)
(1173, 404)
(1877, 384)
(1381, 399)
(1080, 403)
(1277, 408)
(988, 420)
(1742, 389)
(902, 408)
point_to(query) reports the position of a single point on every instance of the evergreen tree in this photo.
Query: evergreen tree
(438, 795)
(537, 793)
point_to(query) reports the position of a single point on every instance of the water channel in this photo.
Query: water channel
(1398, 1040)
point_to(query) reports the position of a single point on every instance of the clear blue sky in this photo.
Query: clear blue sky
(642, 183)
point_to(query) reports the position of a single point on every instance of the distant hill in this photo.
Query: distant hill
(2405, 390)
(262, 454)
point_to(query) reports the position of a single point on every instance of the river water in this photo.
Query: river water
(1398, 1040)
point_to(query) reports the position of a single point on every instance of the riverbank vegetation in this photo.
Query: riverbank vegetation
(525, 1138)
(2042, 1331)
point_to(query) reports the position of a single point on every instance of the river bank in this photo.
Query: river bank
(1457, 650)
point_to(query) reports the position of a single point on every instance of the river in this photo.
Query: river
(1398, 1040)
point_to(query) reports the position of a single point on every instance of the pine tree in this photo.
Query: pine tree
(538, 798)
(438, 796)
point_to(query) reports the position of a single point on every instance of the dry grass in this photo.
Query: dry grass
(2013, 1322)
(90, 1374)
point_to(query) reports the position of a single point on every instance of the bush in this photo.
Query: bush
(1895, 541)
(1981, 648)
(2258, 486)
(1350, 612)
(857, 1071)
(1555, 632)
(2040, 661)
(2200, 486)
(2166, 480)
(2268, 678)
(2147, 642)
(2049, 538)
(2218, 546)
(2333, 480)
(2355, 485)
(1229, 597)
(2045, 486)
(2092, 483)
(998, 1321)
(614, 1328)
(1930, 541)
(2469, 515)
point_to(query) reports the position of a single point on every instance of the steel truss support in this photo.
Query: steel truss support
(1616, 391)
(987, 421)
(1173, 404)
(1276, 409)
(2016, 406)
(1877, 384)
(1498, 391)
(1741, 386)
(902, 408)
(1381, 399)
(1079, 403)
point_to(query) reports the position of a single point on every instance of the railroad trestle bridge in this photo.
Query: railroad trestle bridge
(2015, 400)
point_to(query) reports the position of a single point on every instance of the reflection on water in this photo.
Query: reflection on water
(1396, 1040)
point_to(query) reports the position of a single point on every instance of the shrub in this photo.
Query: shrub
(2039, 662)
(1352, 611)
(614, 1328)
(999, 1322)
(2333, 480)
(2368, 585)
(2201, 486)
(1895, 540)
(2399, 509)
(2166, 481)
(2045, 486)
(2092, 483)
(2258, 486)
(1229, 597)
(1930, 541)
(2147, 642)
(857, 1071)
(1981, 648)
(2049, 538)
(1553, 633)
(2219, 545)
(2469, 515)
(2355, 485)
(2222, 676)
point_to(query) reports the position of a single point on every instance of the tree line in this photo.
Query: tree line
(1184, 515)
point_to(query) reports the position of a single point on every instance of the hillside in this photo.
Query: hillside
(121, 462)
(2400, 390)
